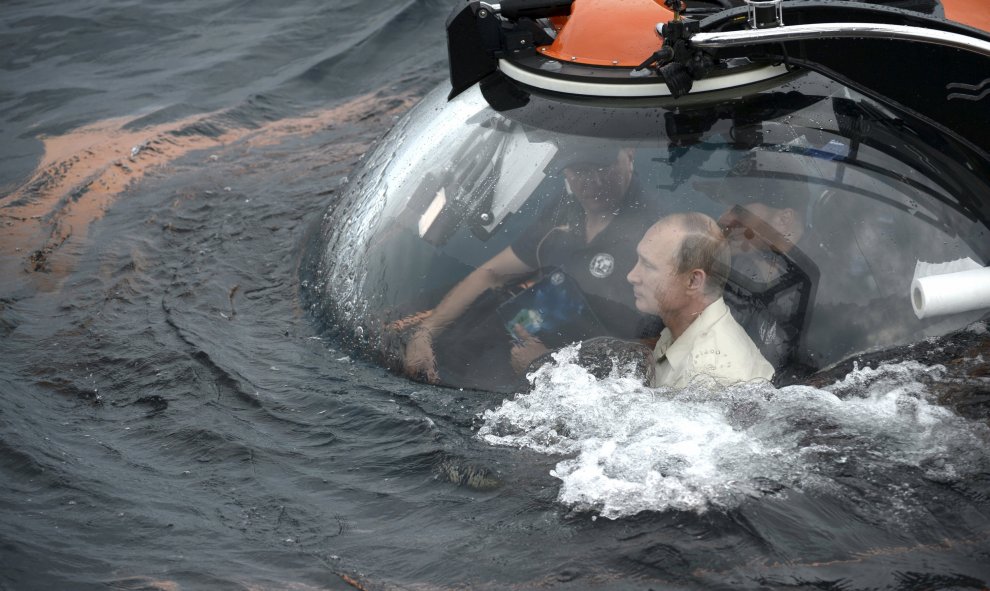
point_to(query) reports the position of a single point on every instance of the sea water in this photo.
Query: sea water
(172, 416)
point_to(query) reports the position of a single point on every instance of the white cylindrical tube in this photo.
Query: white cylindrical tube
(937, 295)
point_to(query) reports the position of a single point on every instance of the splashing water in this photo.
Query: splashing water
(630, 448)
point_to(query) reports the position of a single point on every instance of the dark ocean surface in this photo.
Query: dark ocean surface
(172, 416)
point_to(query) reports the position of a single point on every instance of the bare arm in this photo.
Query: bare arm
(502, 268)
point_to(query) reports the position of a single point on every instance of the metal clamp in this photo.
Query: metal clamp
(765, 14)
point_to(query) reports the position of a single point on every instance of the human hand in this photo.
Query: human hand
(526, 349)
(419, 361)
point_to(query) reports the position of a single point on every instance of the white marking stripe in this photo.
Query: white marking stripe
(620, 89)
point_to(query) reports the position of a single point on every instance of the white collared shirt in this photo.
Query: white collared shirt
(713, 345)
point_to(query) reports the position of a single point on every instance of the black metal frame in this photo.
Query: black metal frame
(940, 85)
(915, 78)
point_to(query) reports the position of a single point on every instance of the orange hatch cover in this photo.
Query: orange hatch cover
(608, 32)
(975, 13)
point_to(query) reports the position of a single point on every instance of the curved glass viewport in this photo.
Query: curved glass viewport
(828, 199)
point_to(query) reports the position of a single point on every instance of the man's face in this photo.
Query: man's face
(737, 224)
(601, 187)
(658, 288)
(743, 227)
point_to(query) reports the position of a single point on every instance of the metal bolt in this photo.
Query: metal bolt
(483, 13)
(573, 58)
(486, 217)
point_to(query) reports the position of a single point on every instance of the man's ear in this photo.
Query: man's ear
(567, 181)
(696, 280)
(627, 157)
(786, 217)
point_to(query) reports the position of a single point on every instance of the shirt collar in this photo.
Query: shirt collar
(676, 351)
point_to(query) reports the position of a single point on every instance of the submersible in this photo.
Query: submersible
(844, 147)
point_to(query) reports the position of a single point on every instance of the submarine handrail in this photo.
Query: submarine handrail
(514, 9)
(720, 39)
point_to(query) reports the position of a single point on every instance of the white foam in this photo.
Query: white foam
(631, 448)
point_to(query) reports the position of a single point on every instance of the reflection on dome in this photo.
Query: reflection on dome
(472, 234)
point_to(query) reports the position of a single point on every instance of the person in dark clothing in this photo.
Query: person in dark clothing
(586, 237)
(774, 276)
(560, 240)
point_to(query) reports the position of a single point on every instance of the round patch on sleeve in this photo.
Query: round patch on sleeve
(602, 265)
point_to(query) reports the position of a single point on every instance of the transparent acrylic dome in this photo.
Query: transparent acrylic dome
(829, 200)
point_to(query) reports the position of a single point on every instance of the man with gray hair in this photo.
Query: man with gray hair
(682, 264)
